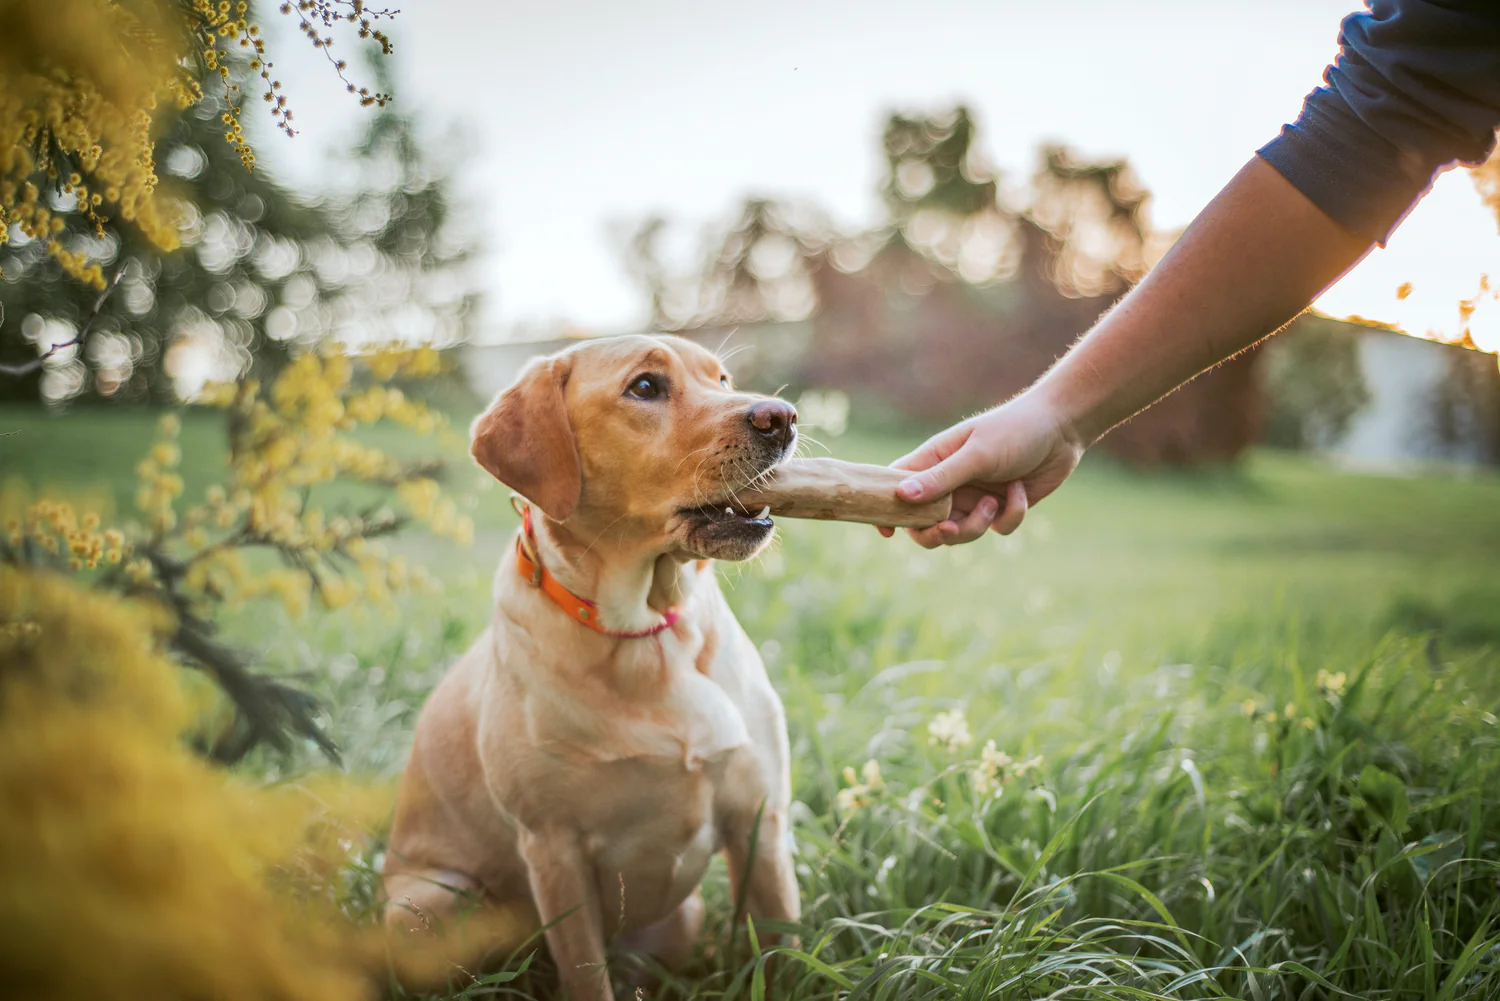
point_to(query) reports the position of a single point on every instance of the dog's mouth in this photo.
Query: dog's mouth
(725, 529)
(729, 513)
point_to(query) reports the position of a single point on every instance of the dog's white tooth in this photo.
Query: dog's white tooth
(763, 512)
(729, 511)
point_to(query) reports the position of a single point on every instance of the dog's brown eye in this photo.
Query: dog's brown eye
(645, 387)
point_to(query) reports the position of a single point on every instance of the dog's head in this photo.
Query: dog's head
(642, 438)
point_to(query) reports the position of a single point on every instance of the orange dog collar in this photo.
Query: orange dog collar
(581, 610)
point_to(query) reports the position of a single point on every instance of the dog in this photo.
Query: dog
(614, 727)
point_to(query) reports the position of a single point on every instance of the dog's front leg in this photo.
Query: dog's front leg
(567, 900)
(760, 866)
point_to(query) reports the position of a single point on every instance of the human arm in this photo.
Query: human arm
(1416, 87)
(1252, 260)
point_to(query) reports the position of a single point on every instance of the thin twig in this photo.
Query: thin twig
(26, 368)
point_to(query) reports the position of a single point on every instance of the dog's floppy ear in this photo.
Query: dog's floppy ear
(525, 439)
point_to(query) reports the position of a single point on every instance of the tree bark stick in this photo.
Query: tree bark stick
(834, 490)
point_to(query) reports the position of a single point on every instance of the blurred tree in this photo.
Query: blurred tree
(262, 268)
(1314, 383)
(1082, 229)
(1082, 232)
(932, 162)
(1093, 217)
(756, 268)
(957, 299)
(90, 95)
(640, 252)
(1464, 412)
(407, 276)
(244, 255)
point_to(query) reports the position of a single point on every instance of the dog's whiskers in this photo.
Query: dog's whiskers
(739, 471)
(694, 452)
(760, 478)
(699, 496)
(732, 332)
(734, 351)
(809, 438)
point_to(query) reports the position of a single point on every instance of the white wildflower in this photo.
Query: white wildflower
(988, 773)
(1022, 767)
(950, 730)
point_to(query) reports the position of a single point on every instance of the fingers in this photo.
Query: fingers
(1015, 509)
(935, 449)
(974, 524)
(954, 532)
(943, 478)
(986, 515)
(930, 538)
(885, 531)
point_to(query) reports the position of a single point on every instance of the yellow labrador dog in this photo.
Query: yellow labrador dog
(614, 727)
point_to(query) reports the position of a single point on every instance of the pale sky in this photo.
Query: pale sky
(582, 116)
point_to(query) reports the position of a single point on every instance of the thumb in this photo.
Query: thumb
(941, 479)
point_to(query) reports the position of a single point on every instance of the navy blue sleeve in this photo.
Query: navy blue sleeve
(1415, 88)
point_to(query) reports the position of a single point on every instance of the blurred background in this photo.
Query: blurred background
(898, 217)
(1259, 625)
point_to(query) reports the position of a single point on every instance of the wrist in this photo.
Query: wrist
(1061, 406)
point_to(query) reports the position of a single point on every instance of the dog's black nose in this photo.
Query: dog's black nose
(774, 419)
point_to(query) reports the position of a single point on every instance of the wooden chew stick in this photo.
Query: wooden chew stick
(834, 490)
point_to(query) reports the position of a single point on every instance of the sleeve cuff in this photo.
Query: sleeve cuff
(1346, 169)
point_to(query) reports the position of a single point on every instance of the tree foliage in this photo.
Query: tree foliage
(241, 268)
(1082, 224)
(1314, 383)
(933, 162)
(286, 442)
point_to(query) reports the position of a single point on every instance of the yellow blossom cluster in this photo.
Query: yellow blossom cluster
(84, 85)
(218, 22)
(296, 435)
(79, 80)
(129, 866)
(424, 498)
(158, 483)
(286, 439)
(1288, 713)
(1332, 683)
(58, 530)
(392, 360)
(261, 532)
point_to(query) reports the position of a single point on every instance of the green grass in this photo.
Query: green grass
(1171, 844)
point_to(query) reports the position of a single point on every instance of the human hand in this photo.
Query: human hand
(1020, 451)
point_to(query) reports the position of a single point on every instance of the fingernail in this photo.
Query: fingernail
(910, 489)
(989, 508)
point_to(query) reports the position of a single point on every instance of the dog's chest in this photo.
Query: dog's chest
(653, 704)
(651, 834)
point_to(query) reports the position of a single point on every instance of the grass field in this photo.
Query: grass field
(1264, 701)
